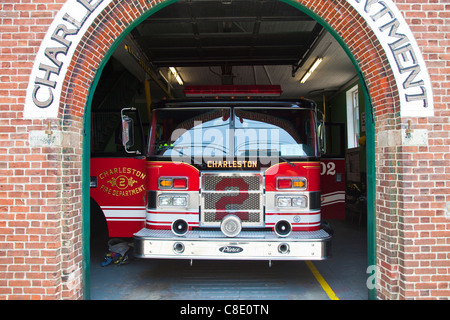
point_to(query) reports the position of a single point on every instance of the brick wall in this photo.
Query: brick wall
(41, 187)
(413, 178)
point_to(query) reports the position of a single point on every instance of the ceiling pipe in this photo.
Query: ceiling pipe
(309, 51)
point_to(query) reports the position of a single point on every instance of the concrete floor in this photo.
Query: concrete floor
(142, 279)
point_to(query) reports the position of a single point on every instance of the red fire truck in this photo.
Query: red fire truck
(232, 177)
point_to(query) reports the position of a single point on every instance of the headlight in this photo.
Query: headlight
(174, 200)
(179, 201)
(300, 202)
(292, 201)
(165, 201)
(283, 202)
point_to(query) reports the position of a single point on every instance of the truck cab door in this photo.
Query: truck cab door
(118, 172)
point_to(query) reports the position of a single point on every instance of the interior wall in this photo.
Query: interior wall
(337, 112)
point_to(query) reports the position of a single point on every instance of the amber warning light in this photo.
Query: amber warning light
(233, 91)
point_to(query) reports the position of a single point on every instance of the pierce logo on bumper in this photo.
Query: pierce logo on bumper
(231, 249)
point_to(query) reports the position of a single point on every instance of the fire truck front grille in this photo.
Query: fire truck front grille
(232, 200)
(239, 194)
(246, 217)
(234, 182)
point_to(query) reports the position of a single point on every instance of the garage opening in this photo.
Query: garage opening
(247, 42)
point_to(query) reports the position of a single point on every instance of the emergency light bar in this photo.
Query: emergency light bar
(233, 91)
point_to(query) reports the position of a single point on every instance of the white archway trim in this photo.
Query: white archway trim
(54, 56)
(404, 55)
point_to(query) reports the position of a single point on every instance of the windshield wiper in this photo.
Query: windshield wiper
(286, 160)
(191, 156)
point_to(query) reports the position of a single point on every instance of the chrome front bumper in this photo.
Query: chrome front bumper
(248, 245)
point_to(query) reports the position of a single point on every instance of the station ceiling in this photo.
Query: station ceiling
(236, 42)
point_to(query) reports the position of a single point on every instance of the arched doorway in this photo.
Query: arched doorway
(112, 25)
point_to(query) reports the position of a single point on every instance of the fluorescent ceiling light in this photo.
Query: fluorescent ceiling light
(176, 75)
(311, 70)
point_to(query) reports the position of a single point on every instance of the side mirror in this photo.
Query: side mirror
(127, 131)
(321, 136)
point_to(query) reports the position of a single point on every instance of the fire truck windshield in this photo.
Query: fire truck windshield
(233, 131)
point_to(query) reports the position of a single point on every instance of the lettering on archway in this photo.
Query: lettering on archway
(54, 56)
(411, 75)
(75, 17)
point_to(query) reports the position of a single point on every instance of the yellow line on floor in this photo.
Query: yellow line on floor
(322, 281)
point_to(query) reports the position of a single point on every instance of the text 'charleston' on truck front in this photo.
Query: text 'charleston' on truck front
(227, 178)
